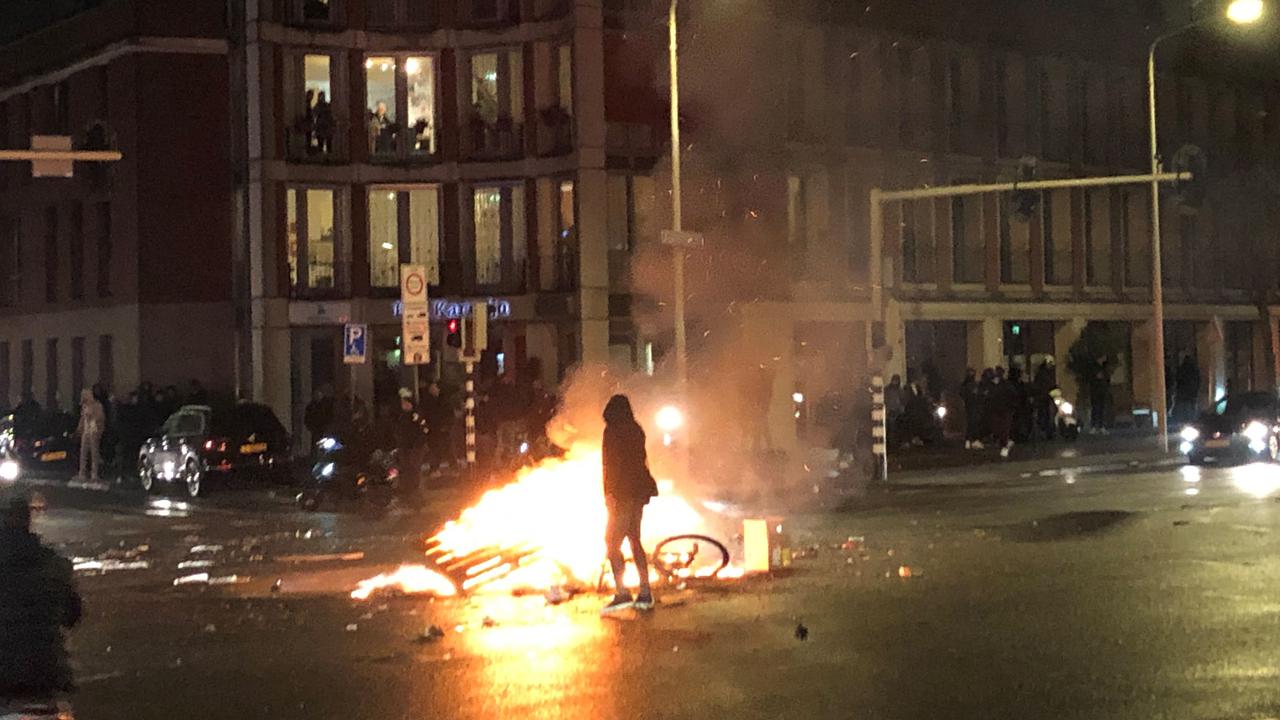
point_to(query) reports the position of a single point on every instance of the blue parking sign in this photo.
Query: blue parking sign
(355, 344)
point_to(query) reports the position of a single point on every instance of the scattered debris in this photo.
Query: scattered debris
(802, 632)
(197, 578)
(200, 549)
(186, 564)
(906, 571)
(431, 634)
(352, 627)
(211, 628)
(330, 557)
(488, 622)
(556, 595)
(1180, 523)
(277, 585)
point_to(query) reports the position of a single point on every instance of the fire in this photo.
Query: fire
(543, 530)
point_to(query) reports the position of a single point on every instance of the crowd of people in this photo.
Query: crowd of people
(998, 408)
(110, 429)
(511, 409)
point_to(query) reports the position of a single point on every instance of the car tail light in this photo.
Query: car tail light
(215, 444)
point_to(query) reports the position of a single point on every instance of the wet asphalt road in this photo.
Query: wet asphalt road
(1150, 593)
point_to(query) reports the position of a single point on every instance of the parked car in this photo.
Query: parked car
(199, 444)
(1241, 427)
(44, 442)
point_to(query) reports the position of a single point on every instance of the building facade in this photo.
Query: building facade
(122, 273)
(284, 157)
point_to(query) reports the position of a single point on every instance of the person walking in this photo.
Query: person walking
(38, 600)
(1186, 391)
(1099, 394)
(894, 408)
(1000, 408)
(93, 420)
(628, 486)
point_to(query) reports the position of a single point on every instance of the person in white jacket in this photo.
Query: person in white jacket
(93, 420)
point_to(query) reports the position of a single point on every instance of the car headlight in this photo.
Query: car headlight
(941, 412)
(326, 470)
(1189, 434)
(329, 444)
(1256, 431)
(8, 470)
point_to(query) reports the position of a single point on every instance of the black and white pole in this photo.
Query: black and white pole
(471, 414)
(879, 427)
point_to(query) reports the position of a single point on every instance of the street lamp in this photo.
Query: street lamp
(682, 350)
(1240, 12)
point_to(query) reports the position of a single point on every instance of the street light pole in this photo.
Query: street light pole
(682, 351)
(1240, 12)
(1157, 280)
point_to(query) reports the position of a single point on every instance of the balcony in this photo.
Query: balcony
(554, 132)
(502, 139)
(316, 142)
(392, 143)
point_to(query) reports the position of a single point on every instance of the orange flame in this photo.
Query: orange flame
(543, 530)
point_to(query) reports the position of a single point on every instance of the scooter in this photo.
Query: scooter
(350, 475)
(1064, 416)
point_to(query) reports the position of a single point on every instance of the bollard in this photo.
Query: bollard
(879, 427)
(471, 415)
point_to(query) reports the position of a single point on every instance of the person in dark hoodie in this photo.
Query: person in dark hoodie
(37, 600)
(628, 486)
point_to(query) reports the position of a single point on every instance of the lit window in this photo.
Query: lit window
(380, 83)
(497, 99)
(387, 100)
(500, 241)
(314, 252)
(390, 242)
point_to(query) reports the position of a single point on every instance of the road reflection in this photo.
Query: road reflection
(1257, 479)
(537, 659)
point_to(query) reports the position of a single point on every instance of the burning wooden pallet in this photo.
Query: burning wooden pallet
(481, 567)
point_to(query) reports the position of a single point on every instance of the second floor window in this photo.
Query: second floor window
(314, 250)
(404, 227)
(497, 100)
(401, 105)
(501, 245)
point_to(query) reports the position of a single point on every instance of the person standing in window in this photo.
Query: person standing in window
(381, 130)
(322, 122)
(93, 420)
(628, 486)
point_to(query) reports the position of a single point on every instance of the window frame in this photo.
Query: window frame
(511, 276)
(401, 149)
(301, 287)
(404, 231)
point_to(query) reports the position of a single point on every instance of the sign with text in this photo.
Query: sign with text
(415, 316)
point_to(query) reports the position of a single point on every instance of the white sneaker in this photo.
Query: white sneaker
(968, 444)
(977, 445)
(1004, 452)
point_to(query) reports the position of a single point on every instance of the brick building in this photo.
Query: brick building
(305, 148)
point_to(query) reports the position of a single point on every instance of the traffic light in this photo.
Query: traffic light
(454, 327)
(1191, 193)
(1026, 202)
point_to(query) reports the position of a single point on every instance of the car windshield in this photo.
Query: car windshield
(1246, 404)
(248, 419)
(185, 422)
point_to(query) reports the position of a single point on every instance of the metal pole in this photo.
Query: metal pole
(471, 414)
(76, 155)
(1157, 281)
(682, 351)
(880, 426)
(1100, 181)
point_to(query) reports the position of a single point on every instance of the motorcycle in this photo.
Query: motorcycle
(347, 475)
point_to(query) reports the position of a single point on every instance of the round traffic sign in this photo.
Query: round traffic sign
(414, 285)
